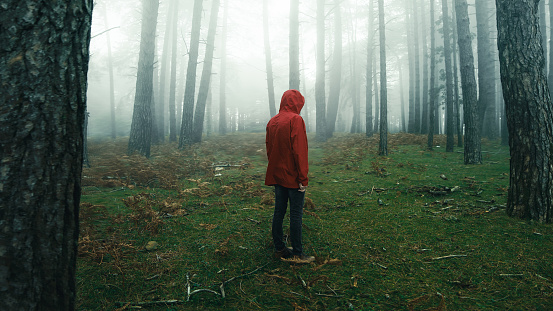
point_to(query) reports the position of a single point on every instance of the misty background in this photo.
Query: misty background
(247, 103)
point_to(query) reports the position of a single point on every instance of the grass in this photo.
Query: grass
(381, 228)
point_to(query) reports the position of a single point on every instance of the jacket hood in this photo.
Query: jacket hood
(292, 101)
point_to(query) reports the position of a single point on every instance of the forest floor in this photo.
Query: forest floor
(416, 230)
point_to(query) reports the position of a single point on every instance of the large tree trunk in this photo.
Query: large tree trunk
(190, 88)
(141, 127)
(528, 109)
(486, 71)
(206, 74)
(550, 76)
(173, 82)
(320, 101)
(223, 77)
(432, 95)
(336, 72)
(448, 78)
(268, 59)
(43, 70)
(368, 87)
(294, 52)
(473, 153)
(383, 144)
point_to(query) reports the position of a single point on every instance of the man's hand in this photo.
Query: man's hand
(302, 188)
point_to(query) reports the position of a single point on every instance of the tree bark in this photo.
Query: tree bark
(199, 115)
(187, 124)
(456, 101)
(424, 108)
(294, 52)
(411, 60)
(528, 109)
(141, 127)
(449, 78)
(383, 144)
(43, 73)
(159, 117)
(417, 72)
(473, 153)
(111, 80)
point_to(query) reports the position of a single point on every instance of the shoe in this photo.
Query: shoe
(300, 259)
(284, 253)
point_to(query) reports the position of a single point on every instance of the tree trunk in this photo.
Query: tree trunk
(424, 117)
(543, 27)
(141, 127)
(383, 144)
(486, 71)
(528, 109)
(223, 77)
(159, 118)
(356, 106)
(416, 48)
(43, 68)
(402, 98)
(456, 101)
(432, 95)
(473, 153)
(294, 52)
(199, 115)
(411, 60)
(111, 80)
(376, 98)
(320, 101)
(336, 72)
(268, 59)
(368, 87)
(550, 76)
(173, 82)
(448, 79)
(190, 88)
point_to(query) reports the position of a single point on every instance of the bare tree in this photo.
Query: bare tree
(44, 66)
(336, 72)
(432, 95)
(368, 87)
(383, 144)
(528, 109)
(448, 78)
(141, 127)
(294, 52)
(268, 59)
(320, 101)
(473, 153)
(173, 81)
(223, 76)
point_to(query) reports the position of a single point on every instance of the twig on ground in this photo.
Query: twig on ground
(448, 256)
(512, 274)
(222, 286)
(300, 295)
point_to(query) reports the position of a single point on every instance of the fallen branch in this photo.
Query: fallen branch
(511, 274)
(448, 256)
(222, 286)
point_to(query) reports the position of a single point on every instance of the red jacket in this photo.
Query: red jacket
(286, 144)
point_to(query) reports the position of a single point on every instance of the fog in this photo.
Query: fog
(246, 90)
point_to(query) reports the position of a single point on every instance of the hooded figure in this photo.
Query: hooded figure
(286, 143)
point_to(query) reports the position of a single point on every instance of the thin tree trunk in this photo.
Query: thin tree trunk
(173, 82)
(223, 77)
(411, 59)
(456, 100)
(424, 118)
(376, 99)
(199, 115)
(402, 98)
(383, 144)
(432, 95)
(416, 48)
(294, 52)
(190, 88)
(111, 80)
(368, 87)
(268, 59)
(473, 153)
(320, 102)
(336, 72)
(160, 109)
(528, 109)
(141, 127)
(449, 78)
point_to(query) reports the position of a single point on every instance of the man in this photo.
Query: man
(286, 143)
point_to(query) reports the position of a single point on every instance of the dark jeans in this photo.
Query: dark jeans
(296, 198)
